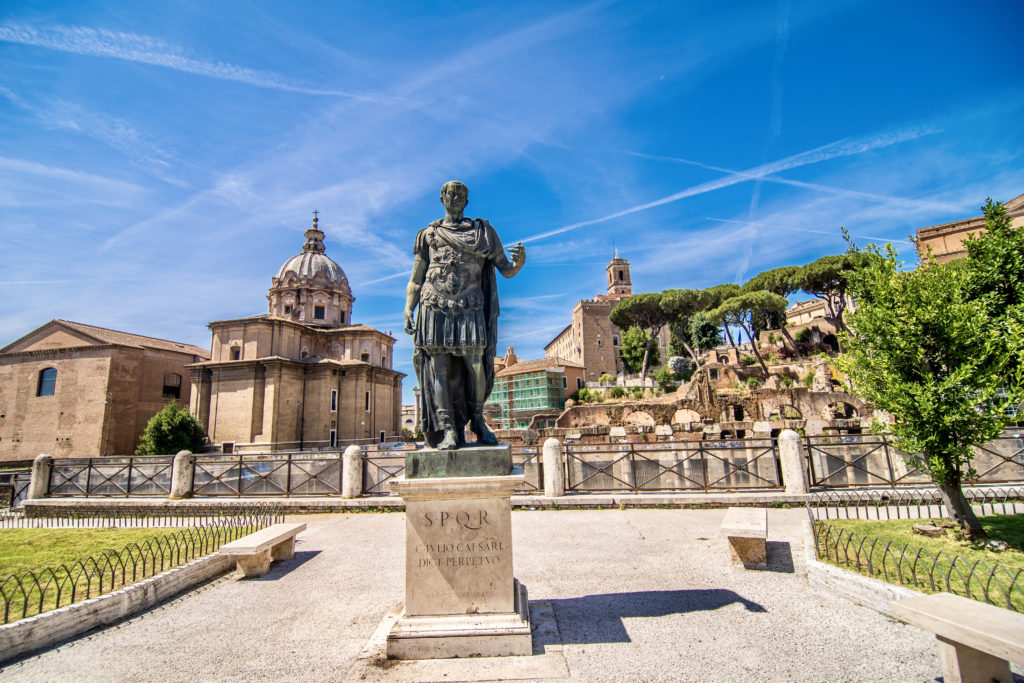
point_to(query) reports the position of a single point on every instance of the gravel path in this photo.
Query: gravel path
(639, 595)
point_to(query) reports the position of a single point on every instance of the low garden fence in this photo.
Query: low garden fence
(917, 567)
(43, 589)
(14, 487)
(911, 503)
(673, 466)
(182, 515)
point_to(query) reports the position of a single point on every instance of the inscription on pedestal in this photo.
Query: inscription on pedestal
(458, 557)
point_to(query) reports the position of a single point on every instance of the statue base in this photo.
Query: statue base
(461, 598)
(468, 461)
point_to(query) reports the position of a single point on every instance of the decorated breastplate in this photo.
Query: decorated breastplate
(452, 278)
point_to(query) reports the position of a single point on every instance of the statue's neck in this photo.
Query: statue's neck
(452, 217)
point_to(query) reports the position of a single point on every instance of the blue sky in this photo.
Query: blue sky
(159, 161)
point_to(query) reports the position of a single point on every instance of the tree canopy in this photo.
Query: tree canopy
(746, 310)
(646, 312)
(633, 349)
(171, 430)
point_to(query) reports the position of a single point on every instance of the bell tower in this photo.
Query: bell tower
(619, 283)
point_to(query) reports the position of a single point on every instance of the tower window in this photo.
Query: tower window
(47, 382)
(172, 385)
(365, 357)
(236, 353)
(334, 400)
(367, 401)
(287, 309)
(318, 312)
(343, 317)
(620, 275)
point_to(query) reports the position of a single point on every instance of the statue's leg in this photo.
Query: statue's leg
(476, 395)
(441, 365)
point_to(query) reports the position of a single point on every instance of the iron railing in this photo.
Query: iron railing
(872, 460)
(303, 474)
(122, 477)
(43, 589)
(181, 515)
(673, 466)
(380, 467)
(14, 487)
(918, 567)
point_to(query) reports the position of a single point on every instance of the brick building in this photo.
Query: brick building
(75, 390)
(946, 241)
(301, 376)
(591, 340)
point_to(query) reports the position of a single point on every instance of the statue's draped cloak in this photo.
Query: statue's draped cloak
(473, 238)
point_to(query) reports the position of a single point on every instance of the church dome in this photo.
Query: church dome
(310, 287)
(313, 260)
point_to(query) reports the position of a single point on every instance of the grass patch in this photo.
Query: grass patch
(889, 550)
(24, 549)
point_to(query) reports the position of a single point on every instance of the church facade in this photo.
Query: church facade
(302, 375)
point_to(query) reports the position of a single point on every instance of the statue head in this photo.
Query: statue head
(454, 196)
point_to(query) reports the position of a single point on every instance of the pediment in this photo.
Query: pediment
(52, 335)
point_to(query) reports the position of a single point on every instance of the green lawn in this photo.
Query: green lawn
(932, 565)
(52, 556)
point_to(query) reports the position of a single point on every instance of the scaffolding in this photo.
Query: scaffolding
(520, 397)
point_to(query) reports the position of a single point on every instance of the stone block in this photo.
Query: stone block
(468, 461)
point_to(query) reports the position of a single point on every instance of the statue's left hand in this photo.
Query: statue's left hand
(518, 253)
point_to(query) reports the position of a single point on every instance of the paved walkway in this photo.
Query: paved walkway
(638, 595)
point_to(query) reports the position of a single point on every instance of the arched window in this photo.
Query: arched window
(172, 385)
(47, 382)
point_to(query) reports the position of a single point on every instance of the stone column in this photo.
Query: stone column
(794, 466)
(554, 471)
(182, 474)
(352, 472)
(39, 486)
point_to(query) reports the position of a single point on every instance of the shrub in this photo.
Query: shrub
(809, 379)
(771, 338)
(786, 353)
(616, 392)
(171, 430)
(606, 379)
(787, 382)
(664, 377)
(638, 392)
(747, 359)
(753, 382)
(803, 336)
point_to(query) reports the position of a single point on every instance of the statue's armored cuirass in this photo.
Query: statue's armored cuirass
(453, 277)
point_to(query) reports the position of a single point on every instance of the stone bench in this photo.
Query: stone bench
(254, 553)
(747, 531)
(977, 641)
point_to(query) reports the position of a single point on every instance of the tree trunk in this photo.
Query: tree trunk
(788, 338)
(696, 361)
(960, 511)
(643, 367)
(728, 335)
(757, 353)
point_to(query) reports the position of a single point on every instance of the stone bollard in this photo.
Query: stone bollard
(352, 472)
(39, 485)
(554, 476)
(794, 467)
(182, 473)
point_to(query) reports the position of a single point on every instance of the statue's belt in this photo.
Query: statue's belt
(471, 301)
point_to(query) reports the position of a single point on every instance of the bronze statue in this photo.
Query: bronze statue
(455, 330)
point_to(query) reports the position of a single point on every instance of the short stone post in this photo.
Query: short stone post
(554, 476)
(352, 472)
(39, 485)
(182, 473)
(794, 467)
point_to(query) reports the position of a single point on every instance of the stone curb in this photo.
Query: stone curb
(863, 590)
(44, 506)
(49, 628)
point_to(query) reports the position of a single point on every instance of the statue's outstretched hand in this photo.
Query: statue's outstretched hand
(408, 322)
(518, 253)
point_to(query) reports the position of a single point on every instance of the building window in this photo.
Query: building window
(236, 353)
(47, 382)
(383, 361)
(318, 312)
(598, 342)
(333, 438)
(383, 435)
(367, 401)
(365, 358)
(172, 385)
(579, 382)
(620, 276)
(287, 309)
(343, 317)
(334, 400)
(565, 382)
(615, 341)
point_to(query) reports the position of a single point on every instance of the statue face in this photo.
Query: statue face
(454, 196)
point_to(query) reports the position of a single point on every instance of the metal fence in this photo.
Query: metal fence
(380, 467)
(14, 487)
(119, 476)
(872, 460)
(43, 589)
(185, 515)
(918, 567)
(911, 503)
(673, 466)
(301, 474)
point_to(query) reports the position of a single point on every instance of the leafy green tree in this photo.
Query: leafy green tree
(683, 305)
(645, 312)
(744, 310)
(634, 346)
(828, 279)
(665, 378)
(781, 281)
(171, 430)
(924, 351)
(705, 332)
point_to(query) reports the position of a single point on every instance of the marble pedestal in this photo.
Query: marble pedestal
(461, 599)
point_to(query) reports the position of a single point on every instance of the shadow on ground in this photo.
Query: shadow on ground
(282, 567)
(598, 618)
(780, 557)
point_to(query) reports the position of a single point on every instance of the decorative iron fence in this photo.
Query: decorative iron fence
(919, 568)
(302, 474)
(872, 460)
(121, 477)
(380, 467)
(43, 589)
(673, 466)
(915, 503)
(143, 517)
